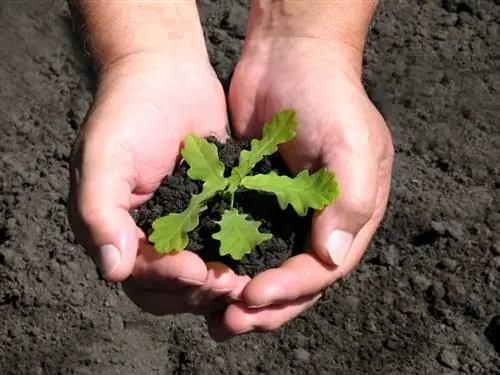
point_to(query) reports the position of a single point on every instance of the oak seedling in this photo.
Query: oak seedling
(238, 235)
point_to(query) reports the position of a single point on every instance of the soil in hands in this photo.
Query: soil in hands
(289, 230)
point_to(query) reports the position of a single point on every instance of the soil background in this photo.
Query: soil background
(424, 300)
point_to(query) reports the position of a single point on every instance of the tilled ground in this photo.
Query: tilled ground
(423, 301)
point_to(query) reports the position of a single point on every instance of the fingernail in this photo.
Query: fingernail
(260, 306)
(338, 245)
(191, 282)
(109, 257)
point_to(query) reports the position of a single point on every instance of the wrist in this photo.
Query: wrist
(342, 24)
(116, 30)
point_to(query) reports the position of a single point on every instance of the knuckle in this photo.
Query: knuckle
(358, 141)
(359, 207)
(91, 217)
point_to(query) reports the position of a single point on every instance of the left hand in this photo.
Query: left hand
(339, 128)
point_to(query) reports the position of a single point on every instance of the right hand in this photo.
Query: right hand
(131, 139)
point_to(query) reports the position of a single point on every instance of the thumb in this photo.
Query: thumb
(99, 205)
(335, 228)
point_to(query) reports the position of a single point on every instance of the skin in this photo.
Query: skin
(304, 57)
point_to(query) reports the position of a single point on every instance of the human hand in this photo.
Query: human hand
(339, 128)
(145, 105)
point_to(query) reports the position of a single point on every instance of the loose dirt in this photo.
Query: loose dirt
(288, 230)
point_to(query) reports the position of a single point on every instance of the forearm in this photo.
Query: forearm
(347, 21)
(116, 29)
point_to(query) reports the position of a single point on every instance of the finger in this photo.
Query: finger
(177, 270)
(306, 273)
(179, 296)
(239, 319)
(99, 215)
(167, 272)
(334, 229)
(222, 281)
(299, 276)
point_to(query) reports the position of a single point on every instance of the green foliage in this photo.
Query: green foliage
(281, 129)
(304, 191)
(170, 232)
(238, 235)
(204, 162)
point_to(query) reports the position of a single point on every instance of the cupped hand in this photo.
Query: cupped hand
(130, 141)
(339, 128)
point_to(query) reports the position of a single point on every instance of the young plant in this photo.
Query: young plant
(238, 235)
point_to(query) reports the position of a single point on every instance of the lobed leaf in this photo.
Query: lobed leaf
(279, 130)
(238, 236)
(170, 232)
(304, 191)
(203, 160)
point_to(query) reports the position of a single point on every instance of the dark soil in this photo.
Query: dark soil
(425, 299)
(289, 230)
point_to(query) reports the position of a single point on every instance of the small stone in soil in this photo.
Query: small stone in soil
(116, 323)
(389, 257)
(448, 265)
(448, 358)
(420, 283)
(301, 354)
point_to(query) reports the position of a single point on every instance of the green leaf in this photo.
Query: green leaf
(170, 232)
(238, 236)
(281, 129)
(203, 160)
(304, 191)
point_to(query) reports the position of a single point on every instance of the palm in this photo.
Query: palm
(154, 108)
(325, 102)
